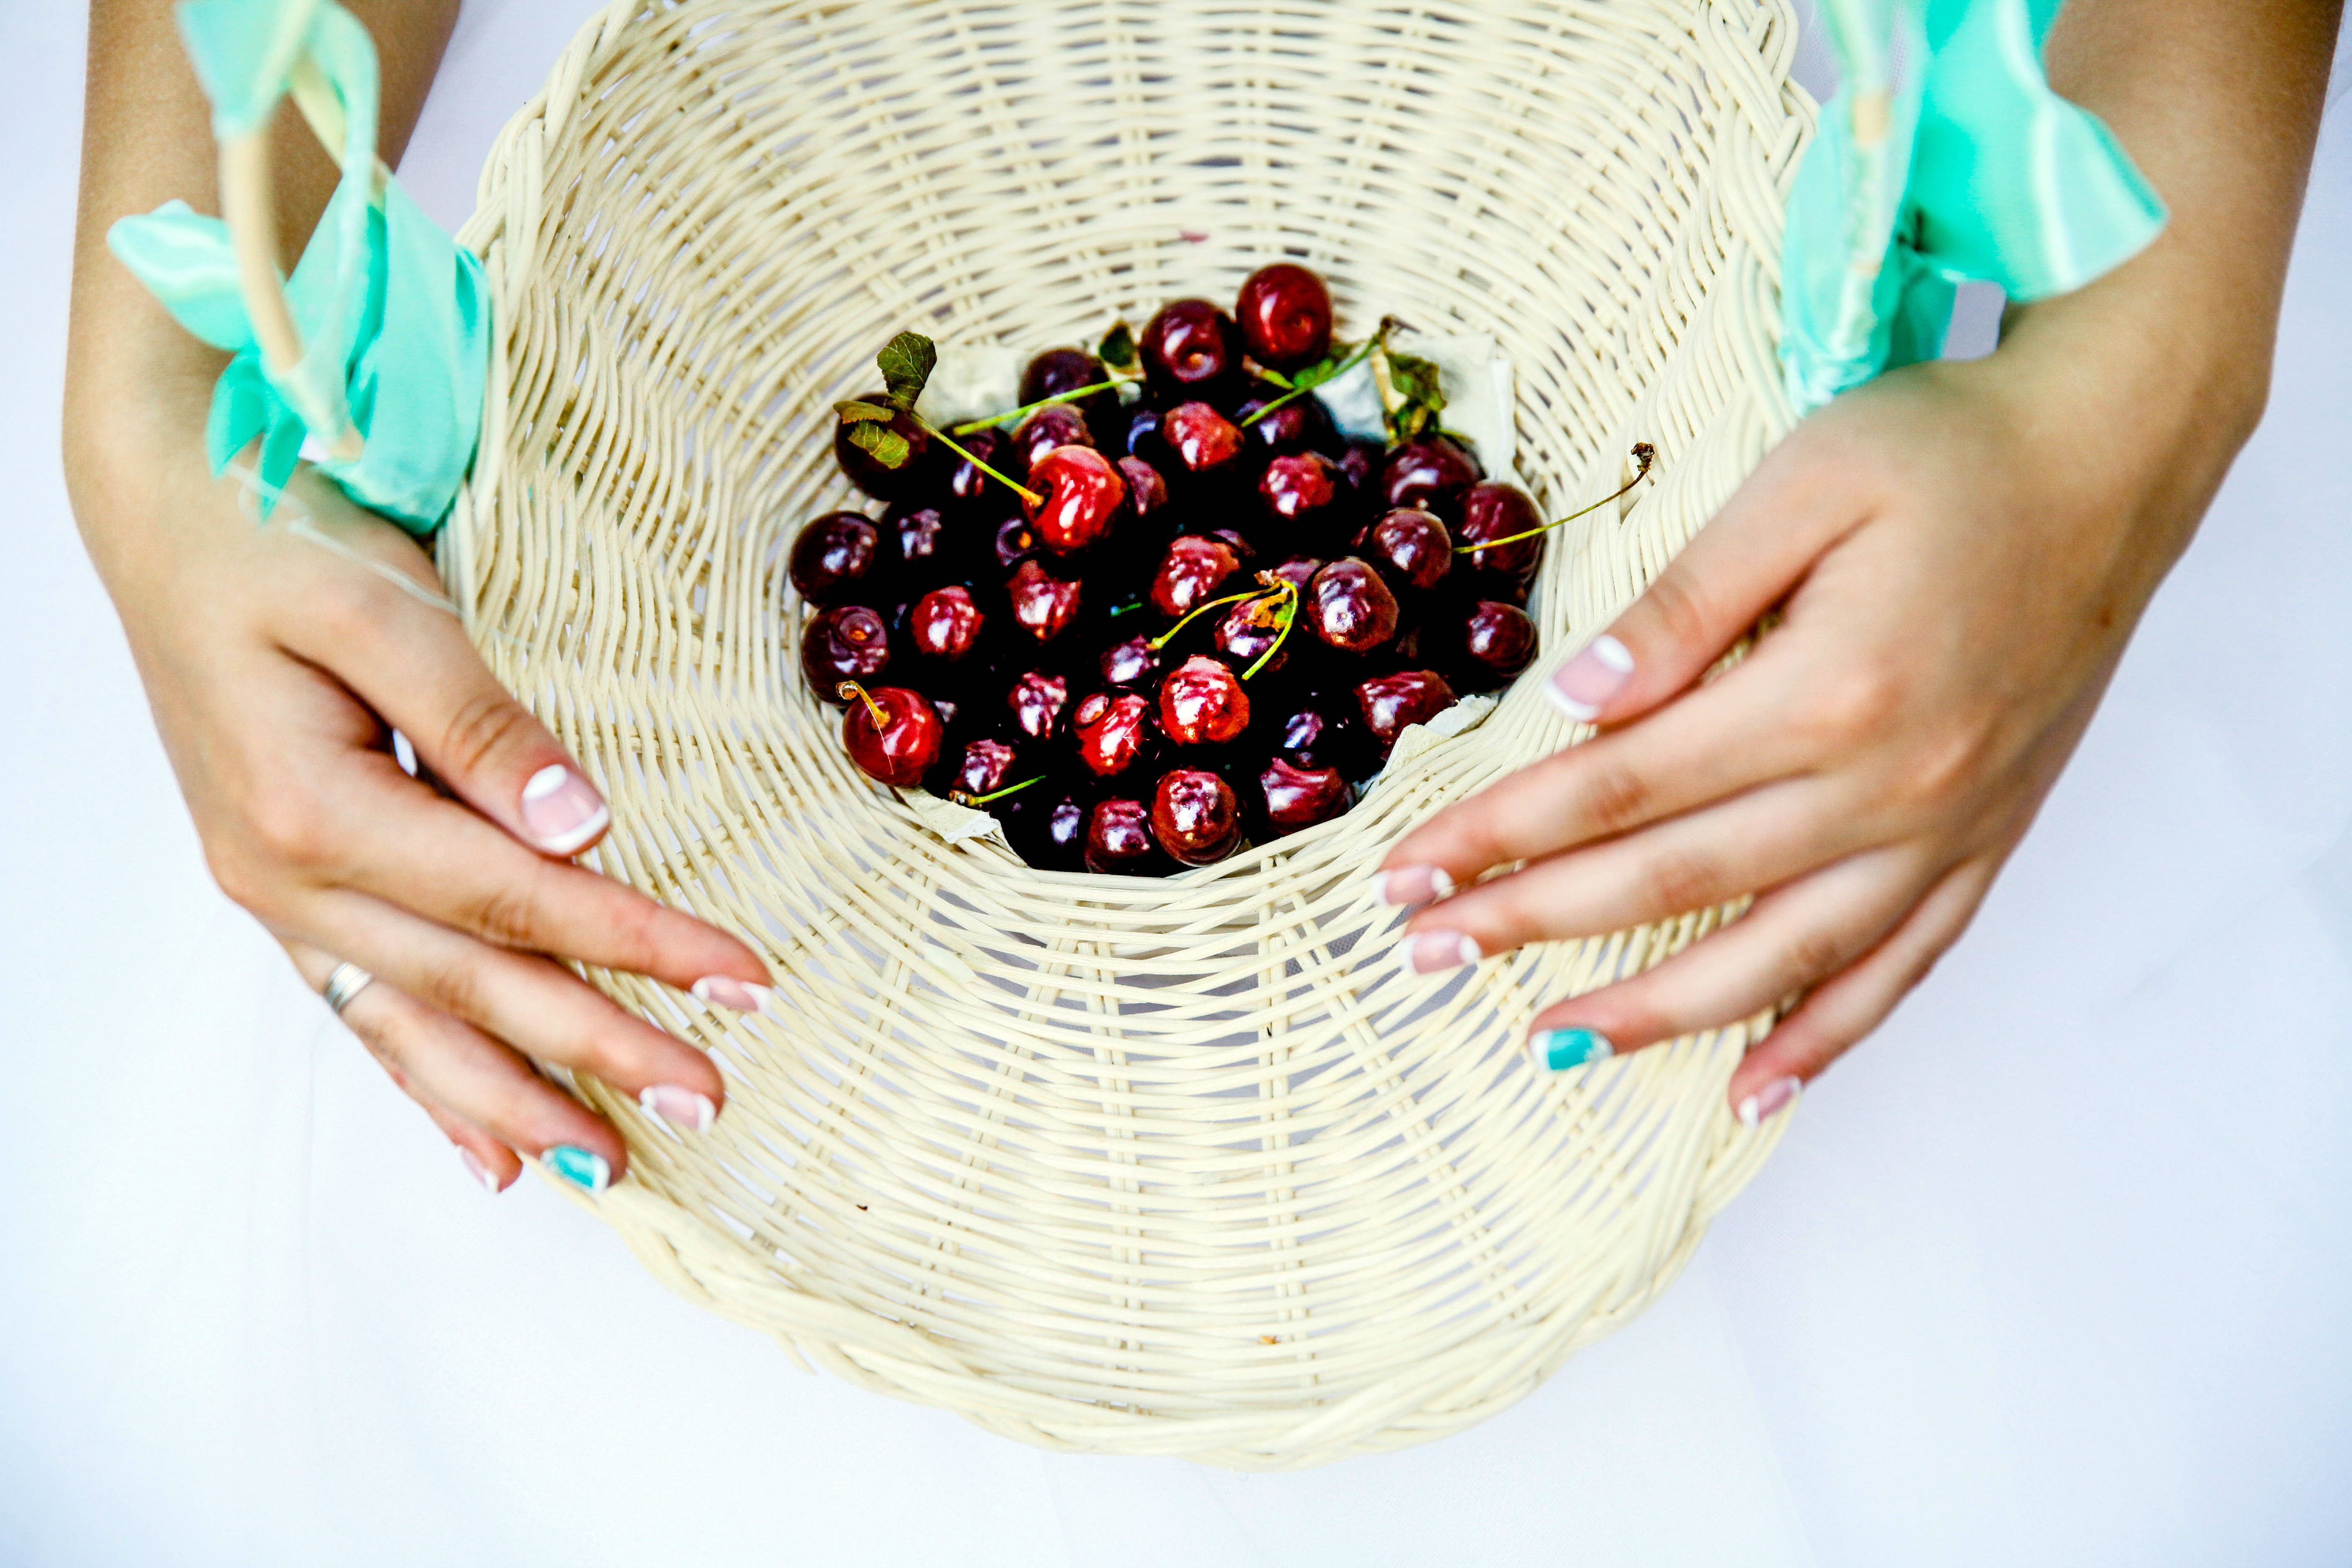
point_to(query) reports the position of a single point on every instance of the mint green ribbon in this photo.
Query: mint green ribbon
(1944, 158)
(395, 317)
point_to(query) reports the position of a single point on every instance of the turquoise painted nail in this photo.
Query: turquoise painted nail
(1560, 1049)
(584, 1168)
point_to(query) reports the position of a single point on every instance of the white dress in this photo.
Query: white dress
(2055, 1271)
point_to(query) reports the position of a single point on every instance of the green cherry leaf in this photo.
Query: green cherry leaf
(906, 364)
(889, 448)
(1117, 348)
(857, 409)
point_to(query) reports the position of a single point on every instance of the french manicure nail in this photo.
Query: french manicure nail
(584, 1168)
(680, 1107)
(1560, 1049)
(725, 991)
(1769, 1100)
(561, 811)
(1415, 885)
(1583, 685)
(479, 1171)
(1436, 950)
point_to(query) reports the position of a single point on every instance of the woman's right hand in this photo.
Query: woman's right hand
(276, 669)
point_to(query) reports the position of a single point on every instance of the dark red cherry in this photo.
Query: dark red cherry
(1058, 371)
(970, 490)
(1038, 700)
(1297, 797)
(1285, 314)
(1056, 425)
(1045, 824)
(1348, 607)
(1497, 641)
(1082, 494)
(1113, 730)
(1246, 633)
(901, 749)
(1144, 439)
(866, 470)
(1298, 571)
(916, 541)
(832, 555)
(1119, 841)
(1410, 548)
(1205, 440)
(1430, 473)
(1494, 510)
(1389, 703)
(985, 767)
(1201, 703)
(1015, 542)
(1298, 426)
(847, 642)
(1317, 735)
(1297, 490)
(1191, 349)
(1146, 492)
(1131, 663)
(1190, 573)
(1196, 816)
(1043, 604)
(945, 623)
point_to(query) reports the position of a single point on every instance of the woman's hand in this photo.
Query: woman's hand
(276, 668)
(1961, 552)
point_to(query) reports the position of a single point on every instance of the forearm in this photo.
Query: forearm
(137, 383)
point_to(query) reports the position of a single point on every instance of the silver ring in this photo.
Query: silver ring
(346, 981)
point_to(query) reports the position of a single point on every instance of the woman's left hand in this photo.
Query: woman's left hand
(1961, 551)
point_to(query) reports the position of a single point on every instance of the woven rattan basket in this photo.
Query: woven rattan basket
(1179, 1167)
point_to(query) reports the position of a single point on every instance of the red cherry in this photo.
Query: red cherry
(1042, 603)
(1190, 573)
(986, 767)
(1202, 703)
(968, 485)
(1298, 488)
(866, 470)
(1498, 640)
(1298, 571)
(847, 642)
(1038, 700)
(1082, 494)
(900, 749)
(1015, 542)
(917, 537)
(1245, 634)
(1147, 492)
(1113, 730)
(1409, 696)
(1204, 439)
(1130, 663)
(832, 555)
(1056, 425)
(1349, 608)
(1191, 349)
(1430, 473)
(1298, 797)
(1284, 312)
(1118, 838)
(1501, 512)
(1196, 816)
(1412, 548)
(945, 623)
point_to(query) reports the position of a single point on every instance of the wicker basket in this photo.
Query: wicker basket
(1185, 1167)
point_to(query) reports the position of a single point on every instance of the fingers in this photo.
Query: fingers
(1741, 563)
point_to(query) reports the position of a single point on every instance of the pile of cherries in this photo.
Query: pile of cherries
(1205, 621)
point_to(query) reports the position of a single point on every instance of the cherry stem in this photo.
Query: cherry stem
(974, 427)
(1378, 340)
(961, 798)
(1165, 638)
(1287, 614)
(849, 689)
(1644, 453)
(1023, 491)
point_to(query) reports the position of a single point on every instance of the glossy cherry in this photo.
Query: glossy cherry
(832, 556)
(1119, 841)
(1316, 734)
(1195, 815)
(1298, 493)
(1203, 441)
(1298, 426)
(916, 542)
(1493, 510)
(1147, 492)
(1430, 473)
(1191, 349)
(945, 623)
(985, 767)
(1058, 371)
(1044, 605)
(970, 490)
(1015, 542)
(1495, 641)
(1246, 633)
(1038, 700)
(844, 642)
(1082, 494)
(1293, 798)
(1056, 425)
(1389, 703)
(1349, 608)
(1284, 312)
(1114, 731)
(1192, 570)
(1201, 703)
(902, 747)
(866, 470)
(1411, 549)
(1131, 663)
(1045, 824)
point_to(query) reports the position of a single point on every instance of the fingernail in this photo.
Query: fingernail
(479, 1171)
(561, 811)
(584, 1168)
(679, 1106)
(724, 991)
(1560, 1049)
(1436, 950)
(1583, 685)
(1415, 885)
(1769, 1100)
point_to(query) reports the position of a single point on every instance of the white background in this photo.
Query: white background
(2057, 1270)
